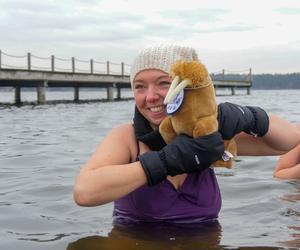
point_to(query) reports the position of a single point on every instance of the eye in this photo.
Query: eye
(165, 84)
(139, 86)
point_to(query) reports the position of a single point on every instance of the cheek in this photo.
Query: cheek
(139, 99)
(163, 92)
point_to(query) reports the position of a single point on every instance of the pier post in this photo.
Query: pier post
(250, 74)
(52, 63)
(122, 68)
(248, 91)
(17, 95)
(41, 93)
(73, 65)
(76, 94)
(118, 94)
(250, 79)
(107, 67)
(232, 90)
(110, 93)
(92, 66)
(29, 61)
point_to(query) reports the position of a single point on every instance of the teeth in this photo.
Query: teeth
(156, 109)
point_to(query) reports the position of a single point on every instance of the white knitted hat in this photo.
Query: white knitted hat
(160, 57)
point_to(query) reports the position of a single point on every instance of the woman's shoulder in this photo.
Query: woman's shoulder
(126, 130)
(125, 134)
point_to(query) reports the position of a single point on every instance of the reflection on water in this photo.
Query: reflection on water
(294, 198)
(295, 238)
(148, 236)
(158, 236)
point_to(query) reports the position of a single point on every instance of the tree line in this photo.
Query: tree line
(276, 81)
(268, 81)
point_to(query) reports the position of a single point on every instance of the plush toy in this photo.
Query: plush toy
(192, 107)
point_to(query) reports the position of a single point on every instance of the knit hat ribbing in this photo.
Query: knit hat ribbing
(160, 57)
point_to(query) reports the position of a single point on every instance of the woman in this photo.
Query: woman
(151, 181)
(288, 166)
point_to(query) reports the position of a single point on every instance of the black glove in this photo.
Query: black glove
(234, 119)
(183, 155)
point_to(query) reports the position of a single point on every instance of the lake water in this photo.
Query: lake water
(43, 147)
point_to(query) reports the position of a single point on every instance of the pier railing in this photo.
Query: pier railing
(53, 63)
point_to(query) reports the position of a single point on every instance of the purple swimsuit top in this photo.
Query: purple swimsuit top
(198, 199)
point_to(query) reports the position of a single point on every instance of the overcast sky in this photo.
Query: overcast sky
(231, 34)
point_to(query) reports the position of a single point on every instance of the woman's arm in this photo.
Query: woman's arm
(108, 175)
(281, 137)
(288, 166)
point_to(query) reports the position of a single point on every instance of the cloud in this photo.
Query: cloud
(29, 6)
(289, 11)
(266, 59)
(116, 30)
(194, 16)
(199, 21)
(231, 28)
(26, 24)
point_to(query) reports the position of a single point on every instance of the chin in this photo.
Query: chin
(155, 123)
(154, 118)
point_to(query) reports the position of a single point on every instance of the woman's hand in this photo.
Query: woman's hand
(234, 119)
(183, 155)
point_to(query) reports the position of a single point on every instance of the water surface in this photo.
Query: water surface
(43, 147)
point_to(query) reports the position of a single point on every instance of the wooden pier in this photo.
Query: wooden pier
(19, 79)
(113, 77)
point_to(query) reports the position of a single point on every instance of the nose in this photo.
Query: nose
(152, 94)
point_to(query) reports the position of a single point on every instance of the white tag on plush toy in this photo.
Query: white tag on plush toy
(226, 155)
(175, 105)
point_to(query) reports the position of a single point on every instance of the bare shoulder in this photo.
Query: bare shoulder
(125, 129)
(117, 147)
(123, 134)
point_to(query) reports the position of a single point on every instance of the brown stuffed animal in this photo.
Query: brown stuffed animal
(192, 107)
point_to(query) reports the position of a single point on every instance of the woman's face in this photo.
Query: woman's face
(150, 88)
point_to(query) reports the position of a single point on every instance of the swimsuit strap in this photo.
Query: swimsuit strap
(138, 150)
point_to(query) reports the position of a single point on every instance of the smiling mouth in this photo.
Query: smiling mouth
(157, 109)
